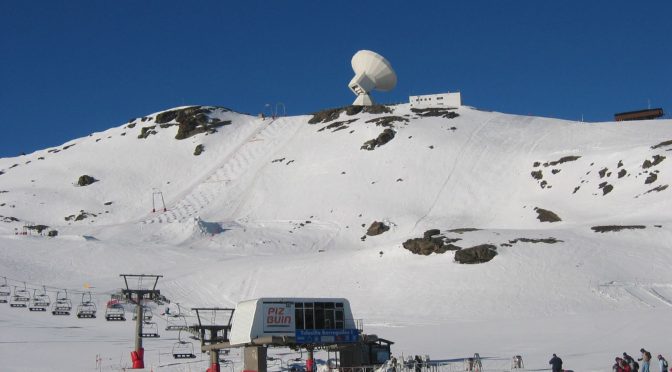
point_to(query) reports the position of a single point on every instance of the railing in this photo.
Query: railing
(496, 365)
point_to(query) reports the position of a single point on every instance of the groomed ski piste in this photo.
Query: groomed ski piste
(281, 207)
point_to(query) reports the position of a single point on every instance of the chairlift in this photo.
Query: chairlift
(147, 314)
(175, 321)
(62, 305)
(115, 312)
(183, 349)
(40, 301)
(149, 330)
(5, 292)
(21, 297)
(87, 308)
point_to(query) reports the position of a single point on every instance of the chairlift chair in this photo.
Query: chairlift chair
(62, 305)
(183, 349)
(40, 301)
(5, 292)
(87, 308)
(20, 298)
(149, 330)
(115, 312)
(176, 321)
(147, 314)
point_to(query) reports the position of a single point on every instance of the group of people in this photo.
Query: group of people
(642, 364)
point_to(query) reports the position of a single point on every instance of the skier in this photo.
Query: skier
(662, 363)
(556, 364)
(646, 358)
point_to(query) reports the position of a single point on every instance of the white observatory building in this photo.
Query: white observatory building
(372, 71)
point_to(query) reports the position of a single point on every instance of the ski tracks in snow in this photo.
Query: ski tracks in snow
(649, 295)
(224, 179)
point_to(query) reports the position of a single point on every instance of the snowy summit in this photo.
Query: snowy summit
(450, 231)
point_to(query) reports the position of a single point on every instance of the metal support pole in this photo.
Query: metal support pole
(138, 326)
(214, 354)
(310, 362)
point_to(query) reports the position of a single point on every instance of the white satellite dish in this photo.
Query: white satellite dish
(372, 71)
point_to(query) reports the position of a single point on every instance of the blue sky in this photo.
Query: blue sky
(70, 68)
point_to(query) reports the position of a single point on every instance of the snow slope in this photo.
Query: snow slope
(281, 208)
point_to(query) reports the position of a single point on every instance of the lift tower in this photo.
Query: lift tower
(137, 294)
(213, 329)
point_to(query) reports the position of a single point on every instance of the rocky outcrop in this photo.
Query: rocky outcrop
(85, 180)
(383, 138)
(431, 242)
(328, 115)
(377, 228)
(616, 228)
(436, 112)
(477, 254)
(544, 215)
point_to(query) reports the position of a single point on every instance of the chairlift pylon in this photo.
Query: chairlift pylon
(157, 196)
(5, 292)
(183, 349)
(86, 308)
(21, 297)
(147, 313)
(62, 305)
(40, 301)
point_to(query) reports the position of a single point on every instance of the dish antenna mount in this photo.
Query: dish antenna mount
(372, 71)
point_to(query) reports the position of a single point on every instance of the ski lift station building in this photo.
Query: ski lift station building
(448, 100)
(300, 318)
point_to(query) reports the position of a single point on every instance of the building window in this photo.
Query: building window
(319, 315)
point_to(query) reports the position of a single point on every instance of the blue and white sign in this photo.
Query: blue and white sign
(326, 336)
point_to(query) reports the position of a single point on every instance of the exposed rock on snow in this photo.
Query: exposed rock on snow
(662, 144)
(615, 228)
(9, 219)
(338, 125)
(427, 246)
(377, 228)
(657, 159)
(387, 121)
(79, 217)
(462, 230)
(436, 112)
(383, 138)
(477, 254)
(563, 159)
(544, 215)
(328, 115)
(550, 240)
(85, 180)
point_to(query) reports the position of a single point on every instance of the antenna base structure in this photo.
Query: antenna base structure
(372, 72)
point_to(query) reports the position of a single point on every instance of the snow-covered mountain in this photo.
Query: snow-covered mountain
(576, 213)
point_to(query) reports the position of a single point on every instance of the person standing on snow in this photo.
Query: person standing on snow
(623, 366)
(662, 363)
(556, 364)
(634, 366)
(645, 359)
